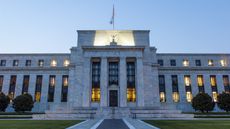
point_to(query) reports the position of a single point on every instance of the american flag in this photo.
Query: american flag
(113, 16)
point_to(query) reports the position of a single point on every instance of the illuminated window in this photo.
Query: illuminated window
(223, 63)
(25, 85)
(51, 88)
(185, 63)
(213, 80)
(187, 80)
(1, 82)
(53, 63)
(13, 79)
(210, 63)
(162, 97)
(176, 97)
(200, 83)
(189, 96)
(162, 88)
(214, 96)
(131, 94)
(131, 91)
(65, 82)
(40, 63)
(226, 83)
(38, 88)
(15, 62)
(66, 63)
(173, 62)
(96, 95)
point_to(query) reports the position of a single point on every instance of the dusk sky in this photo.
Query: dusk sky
(177, 26)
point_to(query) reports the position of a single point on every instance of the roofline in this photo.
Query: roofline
(194, 54)
(111, 30)
(34, 54)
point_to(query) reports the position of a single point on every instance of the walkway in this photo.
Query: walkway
(113, 124)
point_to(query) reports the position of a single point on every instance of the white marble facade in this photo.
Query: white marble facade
(133, 44)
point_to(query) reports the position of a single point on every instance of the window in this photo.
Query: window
(176, 97)
(188, 87)
(3, 63)
(28, 62)
(131, 86)
(51, 89)
(38, 88)
(113, 73)
(175, 90)
(185, 63)
(187, 80)
(131, 94)
(189, 96)
(53, 63)
(173, 62)
(226, 83)
(40, 63)
(214, 87)
(11, 92)
(15, 62)
(162, 88)
(25, 84)
(1, 82)
(198, 63)
(223, 63)
(210, 63)
(96, 81)
(200, 83)
(65, 83)
(66, 63)
(160, 62)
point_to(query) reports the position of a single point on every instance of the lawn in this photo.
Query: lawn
(36, 124)
(190, 124)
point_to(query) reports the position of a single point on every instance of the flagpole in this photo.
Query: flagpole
(113, 17)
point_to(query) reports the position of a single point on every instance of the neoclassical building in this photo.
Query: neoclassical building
(113, 72)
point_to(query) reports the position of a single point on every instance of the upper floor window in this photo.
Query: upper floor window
(53, 63)
(185, 62)
(210, 63)
(28, 62)
(3, 63)
(173, 62)
(223, 63)
(187, 80)
(66, 63)
(160, 62)
(40, 63)
(15, 62)
(198, 63)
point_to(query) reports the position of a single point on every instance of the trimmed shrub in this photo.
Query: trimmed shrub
(203, 102)
(224, 101)
(4, 102)
(23, 103)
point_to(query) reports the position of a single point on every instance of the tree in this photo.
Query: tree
(224, 101)
(23, 103)
(203, 102)
(4, 102)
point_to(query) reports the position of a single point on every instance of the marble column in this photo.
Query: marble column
(220, 84)
(86, 82)
(19, 83)
(140, 82)
(58, 88)
(6, 84)
(32, 85)
(123, 82)
(168, 88)
(104, 82)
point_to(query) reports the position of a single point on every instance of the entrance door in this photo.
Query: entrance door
(113, 98)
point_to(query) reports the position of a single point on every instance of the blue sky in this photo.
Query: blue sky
(177, 26)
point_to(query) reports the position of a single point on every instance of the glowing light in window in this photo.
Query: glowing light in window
(176, 97)
(210, 63)
(189, 96)
(53, 63)
(223, 63)
(131, 94)
(66, 63)
(214, 96)
(162, 97)
(185, 63)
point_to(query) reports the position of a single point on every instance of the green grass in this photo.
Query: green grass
(190, 124)
(36, 124)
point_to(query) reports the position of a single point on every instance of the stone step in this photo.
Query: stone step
(156, 111)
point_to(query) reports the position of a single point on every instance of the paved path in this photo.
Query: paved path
(113, 124)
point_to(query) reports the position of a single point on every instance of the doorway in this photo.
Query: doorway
(113, 98)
